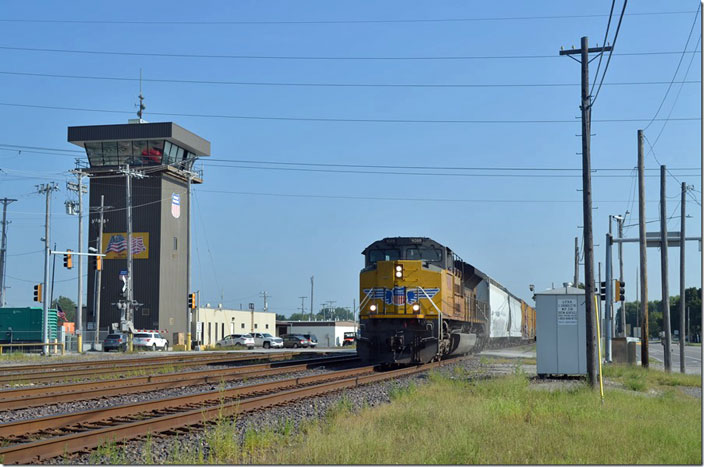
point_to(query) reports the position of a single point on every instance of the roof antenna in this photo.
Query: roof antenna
(141, 98)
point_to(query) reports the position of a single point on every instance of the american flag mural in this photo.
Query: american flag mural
(118, 244)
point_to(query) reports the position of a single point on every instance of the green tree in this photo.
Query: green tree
(693, 301)
(68, 305)
(280, 317)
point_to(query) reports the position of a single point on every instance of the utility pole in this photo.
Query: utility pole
(79, 188)
(586, 109)
(663, 270)
(311, 297)
(98, 275)
(189, 311)
(303, 309)
(3, 248)
(576, 261)
(130, 302)
(682, 291)
(46, 189)
(643, 255)
(620, 274)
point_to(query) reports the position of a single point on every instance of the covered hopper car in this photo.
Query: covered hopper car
(419, 301)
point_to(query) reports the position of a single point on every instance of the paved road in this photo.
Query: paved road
(692, 357)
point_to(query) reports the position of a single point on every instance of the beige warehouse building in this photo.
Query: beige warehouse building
(212, 324)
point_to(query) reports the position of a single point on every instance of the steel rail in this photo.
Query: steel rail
(13, 430)
(116, 361)
(38, 396)
(71, 443)
(53, 375)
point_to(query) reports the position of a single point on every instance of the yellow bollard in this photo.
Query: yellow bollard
(598, 343)
(80, 343)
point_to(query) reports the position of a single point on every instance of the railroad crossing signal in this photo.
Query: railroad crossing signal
(192, 301)
(68, 260)
(602, 292)
(619, 291)
(38, 293)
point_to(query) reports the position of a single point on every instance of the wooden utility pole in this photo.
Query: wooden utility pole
(3, 248)
(663, 271)
(586, 108)
(576, 261)
(643, 256)
(683, 335)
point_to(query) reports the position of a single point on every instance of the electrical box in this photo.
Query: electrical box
(561, 340)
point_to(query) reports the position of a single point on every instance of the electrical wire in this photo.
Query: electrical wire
(309, 57)
(343, 120)
(613, 46)
(166, 22)
(601, 55)
(679, 63)
(335, 85)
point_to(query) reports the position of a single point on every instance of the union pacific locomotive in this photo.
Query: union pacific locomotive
(419, 302)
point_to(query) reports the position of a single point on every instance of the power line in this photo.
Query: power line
(342, 120)
(611, 52)
(309, 57)
(366, 172)
(338, 85)
(679, 63)
(606, 36)
(166, 22)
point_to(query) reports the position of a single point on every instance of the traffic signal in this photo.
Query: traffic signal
(603, 291)
(98, 263)
(192, 301)
(68, 260)
(621, 294)
(38, 293)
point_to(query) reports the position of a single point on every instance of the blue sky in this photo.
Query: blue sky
(269, 229)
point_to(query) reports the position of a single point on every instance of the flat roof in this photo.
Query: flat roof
(169, 131)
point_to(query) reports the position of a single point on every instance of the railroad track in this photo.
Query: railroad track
(77, 432)
(96, 369)
(45, 395)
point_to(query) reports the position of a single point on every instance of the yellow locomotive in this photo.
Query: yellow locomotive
(419, 301)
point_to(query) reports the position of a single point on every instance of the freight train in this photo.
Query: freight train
(419, 302)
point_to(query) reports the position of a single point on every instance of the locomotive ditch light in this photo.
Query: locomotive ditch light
(416, 307)
(372, 308)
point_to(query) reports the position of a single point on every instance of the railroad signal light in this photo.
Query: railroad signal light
(192, 301)
(38, 293)
(68, 260)
(602, 292)
(398, 272)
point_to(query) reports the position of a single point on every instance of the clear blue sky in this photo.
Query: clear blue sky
(269, 229)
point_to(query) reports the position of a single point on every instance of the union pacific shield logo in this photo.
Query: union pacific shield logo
(176, 205)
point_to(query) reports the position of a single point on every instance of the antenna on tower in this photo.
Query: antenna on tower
(141, 97)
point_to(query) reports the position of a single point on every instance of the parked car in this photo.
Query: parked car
(115, 342)
(295, 341)
(244, 340)
(312, 340)
(267, 341)
(151, 340)
(348, 338)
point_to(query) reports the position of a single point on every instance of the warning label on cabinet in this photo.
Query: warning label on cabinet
(566, 311)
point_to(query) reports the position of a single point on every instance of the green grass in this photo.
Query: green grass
(641, 379)
(502, 421)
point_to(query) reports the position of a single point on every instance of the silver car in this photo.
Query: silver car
(267, 341)
(244, 340)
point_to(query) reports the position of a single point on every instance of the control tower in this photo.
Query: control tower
(161, 157)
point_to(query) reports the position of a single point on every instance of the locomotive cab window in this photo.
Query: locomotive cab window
(384, 255)
(425, 254)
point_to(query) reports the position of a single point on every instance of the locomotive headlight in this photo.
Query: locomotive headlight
(372, 308)
(416, 307)
(399, 271)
